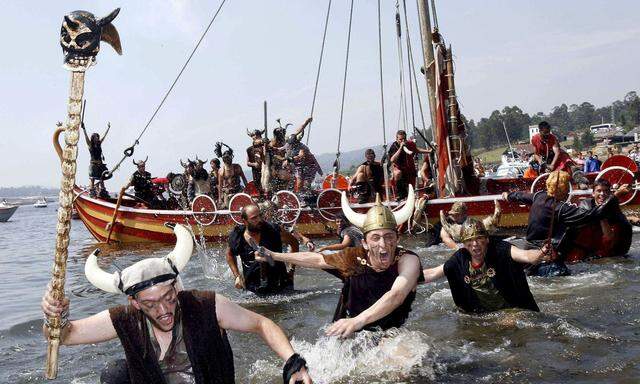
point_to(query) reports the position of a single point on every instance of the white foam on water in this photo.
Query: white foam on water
(251, 298)
(369, 356)
(565, 284)
(563, 327)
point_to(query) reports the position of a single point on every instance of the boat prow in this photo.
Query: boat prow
(6, 211)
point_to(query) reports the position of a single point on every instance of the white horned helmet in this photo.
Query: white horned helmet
(379, 216)
(80, 37)
(145, 273)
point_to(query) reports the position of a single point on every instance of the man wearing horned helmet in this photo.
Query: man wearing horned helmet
(141, 183)
(255, 156)
(169, 335)
(379, 276)
(229, 175)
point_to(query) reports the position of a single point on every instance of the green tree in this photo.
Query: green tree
(560, 119)
(587, 140)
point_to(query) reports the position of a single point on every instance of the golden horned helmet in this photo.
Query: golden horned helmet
(379, 216)
(472, 229)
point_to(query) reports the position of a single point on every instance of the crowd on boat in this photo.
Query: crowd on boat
(173, 334)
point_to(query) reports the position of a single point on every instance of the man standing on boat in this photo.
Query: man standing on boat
(550, 217)
(300, 157)
(487, 274)
(200, 179)
(368, 180)
(255, 157)
(229, 176)
(259, 277)
(213, 178)
(169, 335)
(402, 155)
(379, 277)
(551, 157)
(142, 184)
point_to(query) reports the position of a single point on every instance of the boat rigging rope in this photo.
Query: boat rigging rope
(315, 88)
(435, 14)
(406, 24)
(129, 151)
(384, 128)
(402, 113)
(344, 86)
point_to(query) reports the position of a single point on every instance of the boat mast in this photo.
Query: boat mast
(429, 59)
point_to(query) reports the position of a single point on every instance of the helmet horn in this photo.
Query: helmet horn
(108, 282)
(405, 212)
(183, 249)
(355, 218)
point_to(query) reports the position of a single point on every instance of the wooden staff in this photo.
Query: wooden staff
(115, 214)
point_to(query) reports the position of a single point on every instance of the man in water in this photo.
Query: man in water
(300, 157)
(551, 157)
(259, 277)
(255, 157)
(96, 165)
(379, 277)
(550, 217)
(402, 154)
(229, 176)
(350, 235)
(169, 335)
(487, 274)
(456, 215)
(368, 179)
(142, 184)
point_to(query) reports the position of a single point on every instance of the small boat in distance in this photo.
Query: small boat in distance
(41, 203)
(6, 211)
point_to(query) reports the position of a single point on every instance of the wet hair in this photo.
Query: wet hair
(544, 125)
(602, 183)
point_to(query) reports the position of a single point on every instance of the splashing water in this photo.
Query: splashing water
(394, 354)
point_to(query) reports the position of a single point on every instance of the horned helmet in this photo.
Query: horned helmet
(280, 132)
(80, 37)
(379, 216)
(224, 155)
(199, 163)
(473, 229)
(140, 163)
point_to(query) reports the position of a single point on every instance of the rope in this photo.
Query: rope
(129, 151)
(315, 89)
(384, 128)
(406, 24)
(435, 14)
(402, 114)
(344, 82)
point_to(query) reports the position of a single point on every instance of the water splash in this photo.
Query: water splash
(394, 355)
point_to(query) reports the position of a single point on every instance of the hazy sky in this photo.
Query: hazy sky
(535, 54)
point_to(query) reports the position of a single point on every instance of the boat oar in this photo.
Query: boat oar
(111, 225)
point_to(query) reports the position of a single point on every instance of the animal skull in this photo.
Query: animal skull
(80, 37)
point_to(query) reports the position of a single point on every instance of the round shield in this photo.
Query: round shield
(540, 184)
(620, 161)
(618, 176)
(288, 207)
(236, 203)
(177, 184)
(341, 182)
(329, 203)
(204, 210)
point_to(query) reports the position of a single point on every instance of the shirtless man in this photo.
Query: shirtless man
(229, 175)
(300, 157)
(368, 179)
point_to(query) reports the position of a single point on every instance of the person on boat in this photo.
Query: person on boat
(611, 236)
(580, 160)
(426, 174)
(201, 185)
(478, 167)
(550, 217)
(551, 157)
(379, 277)
(350, 235)
(230, 175)
(169, 334)
(255, 156)
(280, 170)
(487, 274)
(259, 277)
(589, 163)
(213, 178)
(96, 165)
(532, 171)
(402, 154)
(300, 157)
(142, 184)
(368, 179)
(452, 223)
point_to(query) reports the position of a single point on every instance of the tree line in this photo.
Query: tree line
(488, 132)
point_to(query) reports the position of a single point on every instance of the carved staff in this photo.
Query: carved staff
(80, 38)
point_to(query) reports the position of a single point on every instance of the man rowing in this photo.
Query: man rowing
(368, 180)
(550, 217)
(259, 277)
(170, 335)
(487, 274)
(230, 175)
(379, 277)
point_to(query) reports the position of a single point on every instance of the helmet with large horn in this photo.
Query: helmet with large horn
(453, 229)
(200, 161)
(145, 273)
(379, 216)
(141, 162)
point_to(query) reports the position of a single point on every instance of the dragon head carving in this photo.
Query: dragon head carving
(80, 37)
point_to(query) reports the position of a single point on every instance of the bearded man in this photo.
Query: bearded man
(368, 180)
(487, 274)
(259, 277)
(451, 224)
(229, 175)
(402, 155)
(200, 179)
(169, 335)
(550, 217)
(379, 277)
(142, 184)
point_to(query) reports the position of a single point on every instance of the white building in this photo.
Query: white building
(533, 130)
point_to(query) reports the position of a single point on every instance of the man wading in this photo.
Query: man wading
(379, 277)
(487, 274)
(169, 335)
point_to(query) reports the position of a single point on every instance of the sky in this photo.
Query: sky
(534, 54)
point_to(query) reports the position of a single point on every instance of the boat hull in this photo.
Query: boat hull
(7, 212)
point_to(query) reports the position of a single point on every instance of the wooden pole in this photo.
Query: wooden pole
(69, 154)
(115, 214)
(429, 59)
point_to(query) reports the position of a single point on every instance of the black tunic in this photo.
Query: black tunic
(142, 185)
(509, 279)
(277, 276)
